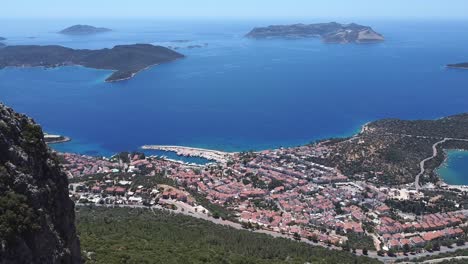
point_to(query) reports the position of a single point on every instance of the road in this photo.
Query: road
(434, 154)
(422, 163)
(189, 212)
(439, 260)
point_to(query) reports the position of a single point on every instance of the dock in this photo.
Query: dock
(215, 155)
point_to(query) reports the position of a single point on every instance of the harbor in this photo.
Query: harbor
(214, 155)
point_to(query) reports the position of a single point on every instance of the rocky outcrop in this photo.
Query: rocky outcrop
(37, 218)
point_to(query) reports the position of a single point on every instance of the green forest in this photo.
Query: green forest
(123, 235)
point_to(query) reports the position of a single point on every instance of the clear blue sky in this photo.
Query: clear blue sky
(454, 9)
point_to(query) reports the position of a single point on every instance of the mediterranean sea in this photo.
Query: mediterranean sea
(455, 169)
(237, 94)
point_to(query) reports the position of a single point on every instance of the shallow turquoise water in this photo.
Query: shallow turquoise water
(455, 171)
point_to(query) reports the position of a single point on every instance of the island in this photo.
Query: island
(1, 43)
(329, 32)
(124, 60)
(463, 65)
(83, 30)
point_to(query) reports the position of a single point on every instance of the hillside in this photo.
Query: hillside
(389, 151)
(36, 215)
(125, 60)
(141, 236)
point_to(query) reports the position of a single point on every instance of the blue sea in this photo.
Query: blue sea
(455, 170)
(234, 93)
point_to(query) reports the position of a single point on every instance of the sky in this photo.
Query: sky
(426, 9)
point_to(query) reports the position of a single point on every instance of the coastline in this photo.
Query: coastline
(457, 67)
(445, 164)
(209, 154)
(132, 75)
(56, 139)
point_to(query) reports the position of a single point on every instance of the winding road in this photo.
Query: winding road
(434, 154)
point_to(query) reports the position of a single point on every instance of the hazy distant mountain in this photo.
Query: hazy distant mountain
(83, 30)
(330, 32)
(2, 45)
(125, 60)
(2, 38)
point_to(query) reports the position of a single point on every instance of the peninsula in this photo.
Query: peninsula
(125, 60)
(463, 65)
(55, 139)
(83, 30)
(329, 32)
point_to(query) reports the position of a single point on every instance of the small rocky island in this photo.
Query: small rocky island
(125, 60)
(83, 30)
(463, 65)
(1, 43)
(330, 32)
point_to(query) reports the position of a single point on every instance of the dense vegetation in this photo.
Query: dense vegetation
(359, 242)
(140, 236)
(430, 204)
(389, 151)
(125, 60)
(16, 216)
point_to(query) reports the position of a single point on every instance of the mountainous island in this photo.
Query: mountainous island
(463, 65)
(125, 60)
(83, 30)
(329, 32)
(37, 217)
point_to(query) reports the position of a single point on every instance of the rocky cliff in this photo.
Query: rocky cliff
(37, 218)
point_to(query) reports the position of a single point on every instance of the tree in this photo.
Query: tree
(428, 246)
(297, 236)
(406, 248)
(365, 251)
(436, 246)
(345, 246)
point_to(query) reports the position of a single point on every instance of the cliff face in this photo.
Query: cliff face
(37, 218)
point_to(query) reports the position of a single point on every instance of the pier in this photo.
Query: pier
(215, 155)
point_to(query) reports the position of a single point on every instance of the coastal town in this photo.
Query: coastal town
(281, 191)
